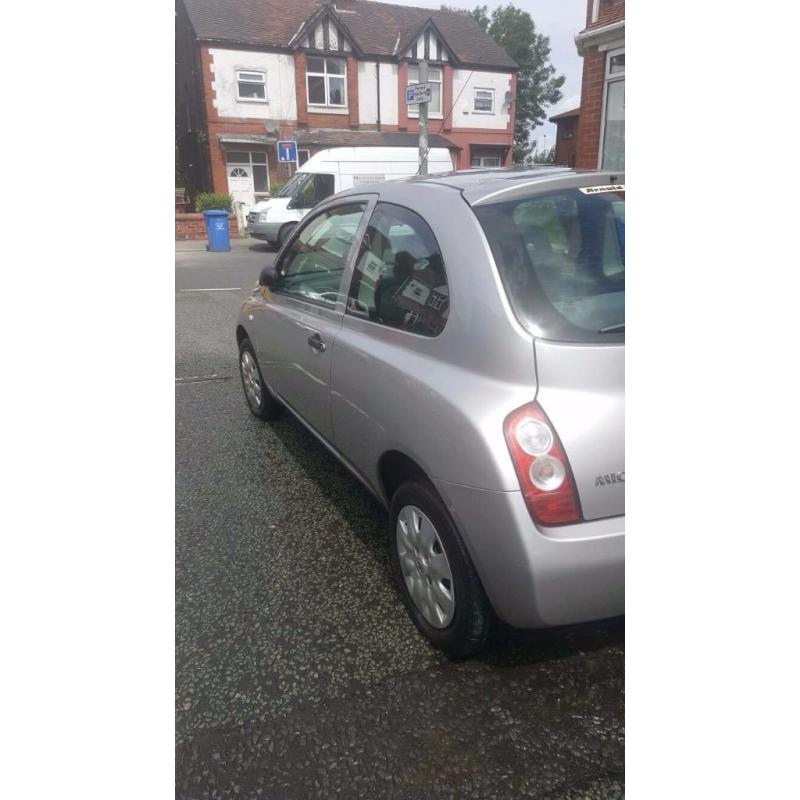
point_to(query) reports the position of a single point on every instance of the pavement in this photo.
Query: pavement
(298, 673)
(199, 245)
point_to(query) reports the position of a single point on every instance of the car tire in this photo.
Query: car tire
(261, 402)
(284, 233)
(465, 628)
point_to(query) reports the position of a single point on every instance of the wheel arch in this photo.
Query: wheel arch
(396, 468)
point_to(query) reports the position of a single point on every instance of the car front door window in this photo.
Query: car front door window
(312, 267)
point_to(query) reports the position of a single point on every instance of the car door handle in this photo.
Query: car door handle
(315, 341)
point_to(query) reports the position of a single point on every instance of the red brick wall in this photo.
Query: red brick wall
(566, 145)
(586, 156)
(606, 10)
(402, 108)
(300, 88)
(193, 226)
(352, 91)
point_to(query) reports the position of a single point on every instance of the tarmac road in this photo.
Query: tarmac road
(298, 674)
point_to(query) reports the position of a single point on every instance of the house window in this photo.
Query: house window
(435, 80)
(325, 82)
(253, 162)
(302, 157)
(484, 101)
(251, 86)
(484, 161)
(612, 135)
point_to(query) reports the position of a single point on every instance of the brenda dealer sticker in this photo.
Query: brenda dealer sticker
(617, 187)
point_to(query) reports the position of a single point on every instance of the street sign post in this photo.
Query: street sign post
(418, 93)
(287, 151)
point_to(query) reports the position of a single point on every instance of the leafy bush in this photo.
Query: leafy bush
(275, 187)
(213, 200)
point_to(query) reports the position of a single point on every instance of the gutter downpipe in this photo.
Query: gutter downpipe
(378, 77)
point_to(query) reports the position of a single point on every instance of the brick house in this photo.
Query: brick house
(566, 136)
(601, 126)
(327, 74)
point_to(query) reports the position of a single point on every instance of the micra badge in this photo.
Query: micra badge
(609, 478)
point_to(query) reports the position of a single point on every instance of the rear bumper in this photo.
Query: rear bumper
(540, 577)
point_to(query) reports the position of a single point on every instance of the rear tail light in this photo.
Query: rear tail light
(542, 468)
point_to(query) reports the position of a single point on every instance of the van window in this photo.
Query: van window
(399, 278)
(314, 189)
(561, 257)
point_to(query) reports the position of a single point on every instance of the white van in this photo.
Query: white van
(331, 171)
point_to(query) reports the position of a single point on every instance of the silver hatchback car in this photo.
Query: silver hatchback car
(458, 343)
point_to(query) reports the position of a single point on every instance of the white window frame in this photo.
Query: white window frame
(262, 82)
(413, 111)
(484, 158)
(609, 78)
(249, 164)
(303, 150)
(325, 75)
(475, 90)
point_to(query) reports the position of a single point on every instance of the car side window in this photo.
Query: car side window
(399, 279)
(312, 266)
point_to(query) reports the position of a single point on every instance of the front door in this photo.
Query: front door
(240, 184)
(298, 325)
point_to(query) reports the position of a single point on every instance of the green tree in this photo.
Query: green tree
(538, 86)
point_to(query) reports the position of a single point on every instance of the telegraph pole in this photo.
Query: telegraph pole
(423, 122)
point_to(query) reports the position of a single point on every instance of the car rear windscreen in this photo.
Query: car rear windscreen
(561, 257)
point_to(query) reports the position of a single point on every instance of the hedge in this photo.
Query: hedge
(219, 200)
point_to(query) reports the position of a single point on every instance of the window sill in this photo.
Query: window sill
(252, 100)
(484, 113)
(327, 109)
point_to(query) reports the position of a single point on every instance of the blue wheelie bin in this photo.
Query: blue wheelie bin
(217, 230)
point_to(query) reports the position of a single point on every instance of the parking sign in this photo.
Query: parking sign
(417, 93)
(287, 151)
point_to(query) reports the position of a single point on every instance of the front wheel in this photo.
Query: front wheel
(434, 573)
(259, 398)
(284, 233)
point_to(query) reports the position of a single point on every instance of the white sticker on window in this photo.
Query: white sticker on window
(617, 187)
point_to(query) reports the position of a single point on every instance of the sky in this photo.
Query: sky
(558, 19)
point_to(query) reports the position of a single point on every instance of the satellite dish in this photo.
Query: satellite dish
(509, 98)
(270, 126)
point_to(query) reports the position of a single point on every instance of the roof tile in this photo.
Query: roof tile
(375, 26)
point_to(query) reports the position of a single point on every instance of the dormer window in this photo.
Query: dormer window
(325, 82)
(251, 86)
(435, 80)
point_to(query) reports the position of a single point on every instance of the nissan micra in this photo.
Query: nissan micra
(457, 342)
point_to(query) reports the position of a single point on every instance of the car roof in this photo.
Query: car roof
(480, 185)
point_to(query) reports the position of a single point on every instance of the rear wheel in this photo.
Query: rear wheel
(434, 573)
(259, 399)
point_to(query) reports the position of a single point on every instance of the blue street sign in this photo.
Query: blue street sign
(287, 151)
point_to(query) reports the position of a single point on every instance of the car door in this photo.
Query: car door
(303, 312)
(397, 305)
